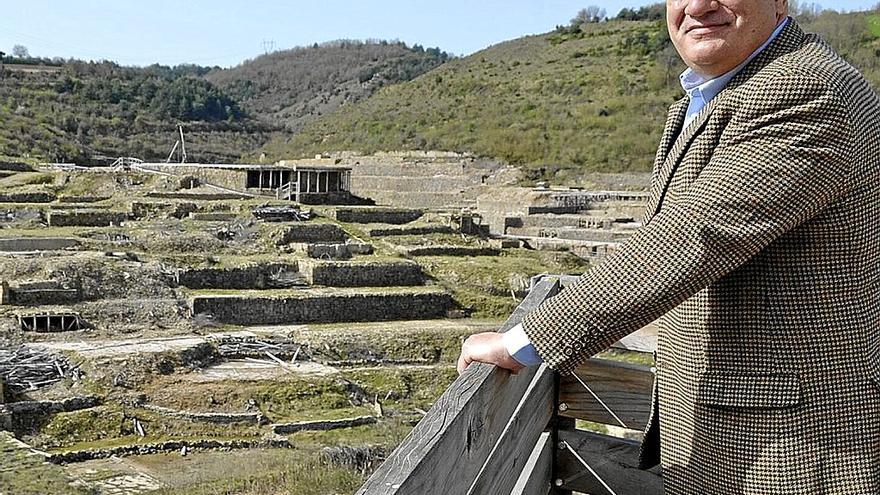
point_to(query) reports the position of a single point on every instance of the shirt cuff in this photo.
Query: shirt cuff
(519, 347)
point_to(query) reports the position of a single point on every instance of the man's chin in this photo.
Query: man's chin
(708, 52)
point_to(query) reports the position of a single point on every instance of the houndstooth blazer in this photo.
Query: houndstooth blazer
(761, 252)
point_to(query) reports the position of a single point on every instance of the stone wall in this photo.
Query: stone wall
(326, 308)
(26, 197)
(256, 276)
(396, 216)
(450, 251)
(209, 417)
(86, 218)
(82, 199)
(309, 232)
(24, 416)
(169, 446)
(234, 179)
(159, 209)
(603, 235)
(37, 243)
(44, 296)
(410, 230)
(333, 251)
(15, 166)
(363, 274)
(213, 216)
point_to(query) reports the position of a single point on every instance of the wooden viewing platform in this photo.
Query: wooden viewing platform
(493, 432)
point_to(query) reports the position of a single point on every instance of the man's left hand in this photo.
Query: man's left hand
(487, 347)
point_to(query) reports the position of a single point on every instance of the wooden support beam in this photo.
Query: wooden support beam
(624, 388)
(447, 449)
(535, 476)
(615, 460)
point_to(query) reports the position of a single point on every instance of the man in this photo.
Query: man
(761, 251)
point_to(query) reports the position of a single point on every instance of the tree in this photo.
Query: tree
(804, 10)
(20, 51)
(588, 15)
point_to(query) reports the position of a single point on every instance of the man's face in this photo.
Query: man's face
(714, 36)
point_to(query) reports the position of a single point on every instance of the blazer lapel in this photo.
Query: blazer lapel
(674, 121)
(675, 154)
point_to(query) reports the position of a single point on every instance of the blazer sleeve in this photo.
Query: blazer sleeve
(779, 162)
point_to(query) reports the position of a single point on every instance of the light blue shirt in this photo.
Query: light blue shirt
(700, 90)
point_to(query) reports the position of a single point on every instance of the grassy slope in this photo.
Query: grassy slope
(88, 110)
(593, 102)
(577, 102)
(292, 87)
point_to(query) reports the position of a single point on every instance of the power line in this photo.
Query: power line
(268, 46)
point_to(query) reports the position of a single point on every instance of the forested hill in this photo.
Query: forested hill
(93, 112)
(584, 97)
(293, 87)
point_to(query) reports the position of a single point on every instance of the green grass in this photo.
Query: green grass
(268, 472)
(873, 21)
(26, 474)
(21, 179)
(484, 283)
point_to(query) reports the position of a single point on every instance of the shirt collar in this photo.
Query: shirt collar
(693, 82)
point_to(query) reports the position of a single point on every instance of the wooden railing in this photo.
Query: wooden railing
(493, 432)
(288, 191)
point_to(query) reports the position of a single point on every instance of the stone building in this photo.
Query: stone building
(311, 183)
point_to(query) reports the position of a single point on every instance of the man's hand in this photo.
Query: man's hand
(488, 348)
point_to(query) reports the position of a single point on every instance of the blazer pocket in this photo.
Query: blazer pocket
(753, 390)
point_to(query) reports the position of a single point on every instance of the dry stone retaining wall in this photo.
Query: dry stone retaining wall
(450, 251)
(363, 274)
(170, 446)
(26, 415)
(27, 197)
(257, 276)
(37, 243)
(86, 218)
(394, 216)
(330, 308)
(309, 232)
(410, 230)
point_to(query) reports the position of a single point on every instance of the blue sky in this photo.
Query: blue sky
(225, 32)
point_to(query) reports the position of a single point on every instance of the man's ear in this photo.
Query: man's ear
(781, 9)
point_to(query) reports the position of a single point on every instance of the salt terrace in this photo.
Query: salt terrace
(161, 319)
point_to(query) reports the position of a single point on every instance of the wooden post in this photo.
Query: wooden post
(4, 293)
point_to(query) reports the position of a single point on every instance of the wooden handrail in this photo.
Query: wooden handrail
(493, 432)
(446, 451)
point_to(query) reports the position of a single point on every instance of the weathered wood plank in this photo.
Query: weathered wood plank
(625, 389)
(508, 458)
(615, 460)
(534, 479)
(642, 340)
(449, 446)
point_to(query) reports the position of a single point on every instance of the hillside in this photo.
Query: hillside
(93, 112)
(294, 87)
(558, 103)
